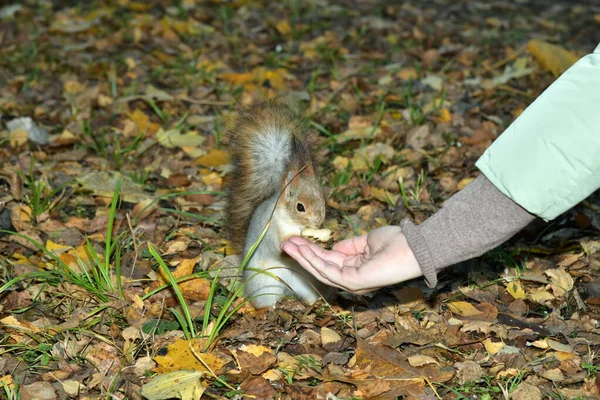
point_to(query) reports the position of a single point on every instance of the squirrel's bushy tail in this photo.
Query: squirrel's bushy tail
(262, 142)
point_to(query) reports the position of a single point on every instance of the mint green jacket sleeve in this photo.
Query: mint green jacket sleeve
(548, 159)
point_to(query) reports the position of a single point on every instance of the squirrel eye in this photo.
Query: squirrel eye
(300, 207)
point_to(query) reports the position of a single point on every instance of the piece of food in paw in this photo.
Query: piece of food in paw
(317, 235)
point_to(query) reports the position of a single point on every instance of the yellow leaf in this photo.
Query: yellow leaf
(214, 158)
(142, 122)
(445, 115)
(551, 57)
(56, 248)
(179, 356)
(17, 137)
(464, 182)
(492, 347)
(212, 179)
(8, 381)
(384, 196)
(174, 138)
(340, 163)
(562, 356)
(283, 27)
(73, 87)
(237, 79)
(515, 289)
(256, 349)
(463, 308)
(183, 384)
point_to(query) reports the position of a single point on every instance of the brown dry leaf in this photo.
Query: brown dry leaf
(143, 209)
(541, 295)
(214, 158)
(329, 336)
(179, 356)
(558, 346)
(551, 57)
(385, 363)
(419, 360)
(476, 326)
(18, 331)
(515, 289)
(468, 371)
(463, 308)
(540, 344)
(257, 388)
(182, 384)
(253, 358)
(554, 375)
(526, 391)
(562, 282)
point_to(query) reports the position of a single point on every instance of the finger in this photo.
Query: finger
(293, 251)
(331, 256)
(298, 240)
(352, 246)
(347, 278)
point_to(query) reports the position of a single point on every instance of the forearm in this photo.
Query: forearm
(472, 222)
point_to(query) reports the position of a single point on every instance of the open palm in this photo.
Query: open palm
(361, 264)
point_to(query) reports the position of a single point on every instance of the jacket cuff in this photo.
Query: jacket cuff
(472, 222)
(419, 246)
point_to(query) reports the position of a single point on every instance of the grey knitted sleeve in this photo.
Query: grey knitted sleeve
(472, 222)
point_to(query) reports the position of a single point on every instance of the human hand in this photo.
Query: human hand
(360, 264)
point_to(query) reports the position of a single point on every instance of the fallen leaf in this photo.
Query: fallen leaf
(214, 158)
(183, 384)
(515, 289)
(329, 336)
(463, 308)
(174, 138)
(492, 347)
(551, 57)
(179, 356)
(419, 360)
(562, 282)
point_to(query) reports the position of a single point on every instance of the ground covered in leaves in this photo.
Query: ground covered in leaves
(112, 168)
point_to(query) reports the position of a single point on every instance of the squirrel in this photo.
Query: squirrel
(273, 178)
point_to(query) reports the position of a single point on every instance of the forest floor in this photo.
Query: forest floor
(112, 169)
